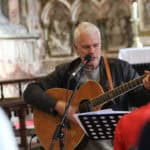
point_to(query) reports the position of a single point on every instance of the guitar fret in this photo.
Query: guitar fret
(126, 87)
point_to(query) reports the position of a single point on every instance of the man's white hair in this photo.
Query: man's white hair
(85, 27)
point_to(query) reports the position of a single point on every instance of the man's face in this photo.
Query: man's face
(89, 43)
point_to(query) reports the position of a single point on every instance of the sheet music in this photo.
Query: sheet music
(97, 116)
(135, 55)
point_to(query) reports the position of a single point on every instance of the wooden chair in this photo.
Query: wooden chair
(18, 106)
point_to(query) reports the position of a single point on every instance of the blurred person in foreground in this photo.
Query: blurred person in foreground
(7, 137)
(133, 130)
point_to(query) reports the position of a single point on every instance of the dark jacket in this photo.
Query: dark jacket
(121, 72)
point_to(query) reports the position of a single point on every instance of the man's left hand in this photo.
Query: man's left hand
(146, 80)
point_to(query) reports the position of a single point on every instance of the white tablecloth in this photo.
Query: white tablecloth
(135, 55)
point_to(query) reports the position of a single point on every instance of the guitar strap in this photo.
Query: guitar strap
(108, 73)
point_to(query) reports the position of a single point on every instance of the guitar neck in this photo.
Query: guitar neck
(116, 92)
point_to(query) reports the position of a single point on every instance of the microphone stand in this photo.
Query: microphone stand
(58, 131)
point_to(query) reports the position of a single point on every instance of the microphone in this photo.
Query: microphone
(87, 58)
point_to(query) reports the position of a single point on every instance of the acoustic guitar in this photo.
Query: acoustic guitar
(45, 124)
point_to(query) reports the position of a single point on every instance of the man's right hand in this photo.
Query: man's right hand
(60, 108)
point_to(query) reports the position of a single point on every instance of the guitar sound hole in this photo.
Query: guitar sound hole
(85, 106)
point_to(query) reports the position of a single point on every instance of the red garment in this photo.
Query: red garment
(129, 127)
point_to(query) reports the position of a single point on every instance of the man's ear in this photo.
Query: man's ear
(74, 46)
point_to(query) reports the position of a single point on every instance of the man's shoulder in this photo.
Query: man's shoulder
(116, 60)
(69, 65)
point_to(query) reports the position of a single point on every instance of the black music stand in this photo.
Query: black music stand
(99, 125)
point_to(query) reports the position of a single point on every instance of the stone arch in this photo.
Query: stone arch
(57, 17)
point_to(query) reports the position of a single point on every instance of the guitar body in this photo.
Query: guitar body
(45, 124)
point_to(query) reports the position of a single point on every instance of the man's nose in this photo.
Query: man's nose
(91, 49)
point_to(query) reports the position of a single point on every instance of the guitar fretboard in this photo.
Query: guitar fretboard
(116, 92)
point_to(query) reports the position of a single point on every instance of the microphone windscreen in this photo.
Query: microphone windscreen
(87, 58)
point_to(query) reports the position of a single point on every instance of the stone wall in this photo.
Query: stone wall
(55, 20)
